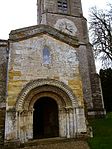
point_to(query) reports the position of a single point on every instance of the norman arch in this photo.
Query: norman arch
(60, 93)
(44, 85)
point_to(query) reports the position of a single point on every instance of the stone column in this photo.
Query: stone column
(67, 123)
(25, 126)
(75, 122)
(62, 122)
(71, 123)
(30, 125)
(18, 124)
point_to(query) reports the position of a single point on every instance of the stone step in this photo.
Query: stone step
(56, 143)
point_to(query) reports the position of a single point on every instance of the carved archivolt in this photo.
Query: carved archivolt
(45, 87)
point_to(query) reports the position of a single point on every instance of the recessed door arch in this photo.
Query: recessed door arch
(56, 91)
(39, 85)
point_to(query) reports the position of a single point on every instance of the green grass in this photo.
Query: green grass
(102, 133)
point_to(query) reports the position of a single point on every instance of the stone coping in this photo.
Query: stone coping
(33, 31)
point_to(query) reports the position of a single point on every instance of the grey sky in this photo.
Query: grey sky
(22, 13)
(16, 14)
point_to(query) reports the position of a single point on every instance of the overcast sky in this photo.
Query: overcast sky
(16, 14)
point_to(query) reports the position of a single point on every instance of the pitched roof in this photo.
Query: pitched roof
(33, 31)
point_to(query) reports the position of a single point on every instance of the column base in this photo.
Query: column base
(13, 144)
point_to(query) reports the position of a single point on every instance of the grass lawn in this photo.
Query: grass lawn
(102, 132)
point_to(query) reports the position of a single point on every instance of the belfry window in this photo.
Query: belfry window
(46, 56)
(62, 6)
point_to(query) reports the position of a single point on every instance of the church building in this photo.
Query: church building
(48, 81)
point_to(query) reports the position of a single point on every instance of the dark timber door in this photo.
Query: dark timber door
(45, 118)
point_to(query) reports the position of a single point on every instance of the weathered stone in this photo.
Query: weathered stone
(49, 61)
(3, 78)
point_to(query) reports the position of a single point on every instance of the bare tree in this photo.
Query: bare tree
(101, 33)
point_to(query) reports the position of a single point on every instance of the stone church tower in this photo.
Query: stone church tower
(67, 17)
(48, 79)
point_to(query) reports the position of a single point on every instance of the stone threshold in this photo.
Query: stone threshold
(45, 141)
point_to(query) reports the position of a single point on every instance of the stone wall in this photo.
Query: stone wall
(49, 14)
(51, 6)
(96, 91)
(3, 78)
(91, 84)
(79, 22)
(26, 63)
(84, 70)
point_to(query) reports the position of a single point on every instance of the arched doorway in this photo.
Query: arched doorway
(40, 99)
(45, 118)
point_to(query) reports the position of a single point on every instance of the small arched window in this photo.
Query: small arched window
(46, 56)
(62, 6)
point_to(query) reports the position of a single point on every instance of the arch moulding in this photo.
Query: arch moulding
(35, 87)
